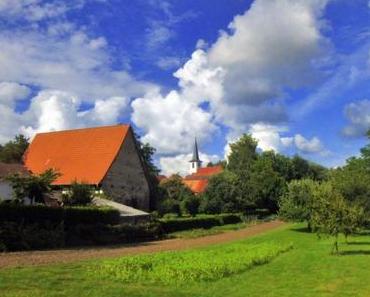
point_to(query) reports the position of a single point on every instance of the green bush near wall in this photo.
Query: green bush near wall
(41, 214)
(205, 222)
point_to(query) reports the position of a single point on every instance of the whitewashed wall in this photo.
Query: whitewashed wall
(5, 190)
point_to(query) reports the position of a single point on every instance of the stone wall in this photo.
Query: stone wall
(125, 181)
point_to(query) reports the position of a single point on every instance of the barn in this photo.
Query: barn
(6, 190)
(104, 157)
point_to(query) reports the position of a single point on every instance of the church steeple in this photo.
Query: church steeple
(195, 162)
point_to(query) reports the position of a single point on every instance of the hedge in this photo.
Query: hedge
(15, 236)
(41, 214)
(205, 222)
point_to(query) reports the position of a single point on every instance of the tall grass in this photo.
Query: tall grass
(196, 265)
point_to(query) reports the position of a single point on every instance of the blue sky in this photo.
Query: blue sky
(293, 73)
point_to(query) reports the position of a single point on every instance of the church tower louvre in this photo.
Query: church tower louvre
(195, 162)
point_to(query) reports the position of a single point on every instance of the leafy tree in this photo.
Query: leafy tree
(12, 151)
(172, 193)
(223, 194)
(331, 215)
(297, 202)
(243, 154)
(191, 205)
(34, 187)
(280, 164)
(353, 180)
(265, 184)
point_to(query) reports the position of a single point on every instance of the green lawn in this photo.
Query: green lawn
(306, 270)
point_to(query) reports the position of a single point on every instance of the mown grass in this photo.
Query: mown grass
(197, 265)
(307, 270)
(195, 233)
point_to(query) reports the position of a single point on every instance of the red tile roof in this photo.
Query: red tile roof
(83, 155)
(198, 181)
(196, 186)
(8, 169)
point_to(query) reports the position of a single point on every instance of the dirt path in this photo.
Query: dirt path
(19, 259)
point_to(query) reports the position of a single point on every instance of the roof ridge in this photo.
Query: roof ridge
(82, 129)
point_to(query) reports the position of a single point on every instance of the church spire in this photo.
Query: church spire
(195, 162)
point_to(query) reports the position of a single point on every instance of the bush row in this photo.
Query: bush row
(40, 214)
(205, 222)
(15, 236)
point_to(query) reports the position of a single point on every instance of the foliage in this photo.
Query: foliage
(332, 215)
(42, 214)
(353, 180)
(34, 186)
(102, 234)
(190, 266)
(209, 221)
(15, 236)
(266, 185)
(78, 194)
(191, 205)
(243, 154)
(12, 151)
(172, 193)
(297, 202)
(223, 194)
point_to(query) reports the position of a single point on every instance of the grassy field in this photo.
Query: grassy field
(306, 270)
(195, 233)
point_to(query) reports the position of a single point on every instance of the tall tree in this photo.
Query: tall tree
(243, 154)
(12, 151)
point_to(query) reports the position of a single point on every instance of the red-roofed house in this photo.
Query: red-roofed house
(199, 176)
(105, 157)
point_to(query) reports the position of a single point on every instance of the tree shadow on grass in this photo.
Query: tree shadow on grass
(358, 243)
(354, 252)
(302, 230)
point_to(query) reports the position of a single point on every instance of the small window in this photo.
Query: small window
(192, 165)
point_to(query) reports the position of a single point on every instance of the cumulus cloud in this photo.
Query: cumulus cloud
(170, 122)
(358, 115)
(268, 136)
(305, 145)
(53, 110)
(180, 163)
(241, 77)
(11, 92)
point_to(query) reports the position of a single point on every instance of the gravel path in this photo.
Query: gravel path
(20, 259)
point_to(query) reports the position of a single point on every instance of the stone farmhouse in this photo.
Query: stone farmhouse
(104, 157)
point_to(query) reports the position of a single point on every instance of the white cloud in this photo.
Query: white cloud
(170, 123)
(37, 10)
(180, 163)
(268, 136)
(358, 114)
(11, 92)
(53, 110)
(312, 145)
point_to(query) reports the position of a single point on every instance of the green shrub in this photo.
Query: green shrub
(90, 215)
(69, 215)
(191, 205)
(206, 222)
(79, 194)
(20, 236)
(100, 234)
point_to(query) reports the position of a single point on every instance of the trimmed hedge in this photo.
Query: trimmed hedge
(205, 222)
(16, 236)
(41, 214)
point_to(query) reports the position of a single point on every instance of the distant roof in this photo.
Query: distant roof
(8, 169)
(205, 172)
(197, 182)
(196, 186)
(83, 155)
